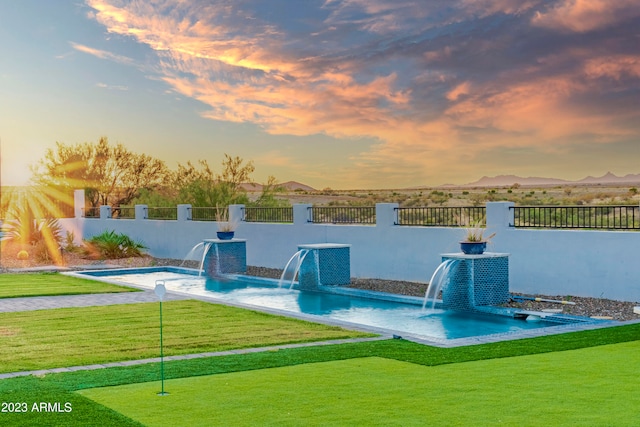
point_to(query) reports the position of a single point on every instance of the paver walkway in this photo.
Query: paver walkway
(85, 300)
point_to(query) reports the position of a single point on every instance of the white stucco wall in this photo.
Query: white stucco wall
(553, 262)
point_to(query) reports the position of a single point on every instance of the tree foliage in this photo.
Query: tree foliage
(201, 186)
(110, 175)
(267, 198)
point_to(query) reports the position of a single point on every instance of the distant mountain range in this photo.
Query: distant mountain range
(505, 180)
(492, 181)
(288, 186)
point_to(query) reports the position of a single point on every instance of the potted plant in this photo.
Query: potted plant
(475, 242)
(226, 227)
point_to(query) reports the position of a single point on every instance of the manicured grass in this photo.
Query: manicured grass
(60, 387)
(535, 390)
(48, 284)
(41, 339)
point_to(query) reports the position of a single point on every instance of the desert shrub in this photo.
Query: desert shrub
(43, 235)
(69, 243)
(32, 231)
(112, 245)
(42, 252)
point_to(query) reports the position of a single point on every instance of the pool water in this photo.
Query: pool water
(398, 317)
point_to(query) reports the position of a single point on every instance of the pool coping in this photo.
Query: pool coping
(588, 324)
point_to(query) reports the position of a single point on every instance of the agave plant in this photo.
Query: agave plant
(112, 245)
(25, 228)
(43, 235)
(33, 231)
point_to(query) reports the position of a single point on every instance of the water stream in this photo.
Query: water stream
(296, 262)
(439, 279)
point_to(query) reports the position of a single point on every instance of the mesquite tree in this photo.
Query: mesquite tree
(110, 175)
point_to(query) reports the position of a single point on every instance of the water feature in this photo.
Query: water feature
(351, 308)
(472, 286)
(295, 261)
(217, 272)
(224, 257)
(191, 254)
(205, 246)
(438, 280)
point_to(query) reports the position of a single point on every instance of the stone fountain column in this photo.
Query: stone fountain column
(476, 280)
(327, 264)
(225, 257)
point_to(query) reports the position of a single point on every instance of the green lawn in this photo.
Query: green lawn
(42, 339)
(508, 376)
(583, 378)
(536, 390)
(47, 284)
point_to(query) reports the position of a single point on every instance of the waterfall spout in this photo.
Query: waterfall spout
(207, 246)
(439, 279)
(295, 261)
(191, 253)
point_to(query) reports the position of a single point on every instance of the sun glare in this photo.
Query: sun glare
(30, 222)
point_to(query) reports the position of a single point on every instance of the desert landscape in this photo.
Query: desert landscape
(607, 189)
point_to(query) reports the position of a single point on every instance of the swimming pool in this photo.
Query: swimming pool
(365, 310)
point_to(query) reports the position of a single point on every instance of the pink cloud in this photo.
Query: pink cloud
(489, 7)
(614, 66)
(458, 91)
(586, 15)
(101, 53)
(462, 94)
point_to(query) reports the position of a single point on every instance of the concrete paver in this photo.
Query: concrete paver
(85, 300)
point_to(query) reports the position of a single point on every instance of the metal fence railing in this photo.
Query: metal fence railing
(585, 217)
(278, 214)
(458, 216)
(603, 217)
(203, 214)
(124, 212)
(342, 215)
(162, 213)
(91, 212)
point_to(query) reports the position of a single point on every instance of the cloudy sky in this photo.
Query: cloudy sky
(331, 93)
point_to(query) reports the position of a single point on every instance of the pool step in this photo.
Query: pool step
(524, 314)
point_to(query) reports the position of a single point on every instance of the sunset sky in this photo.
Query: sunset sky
(344, 94)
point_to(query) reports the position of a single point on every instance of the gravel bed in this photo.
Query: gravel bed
(590, 307)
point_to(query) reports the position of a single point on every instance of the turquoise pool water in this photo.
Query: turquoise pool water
(404, 317)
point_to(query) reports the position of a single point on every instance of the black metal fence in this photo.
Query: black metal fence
(91, 212)
(257, 214)
(605, 217)
(124, 212)
(203, 214)
(441, 216)
(584, 217)
(342, 214)
(162, 213)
